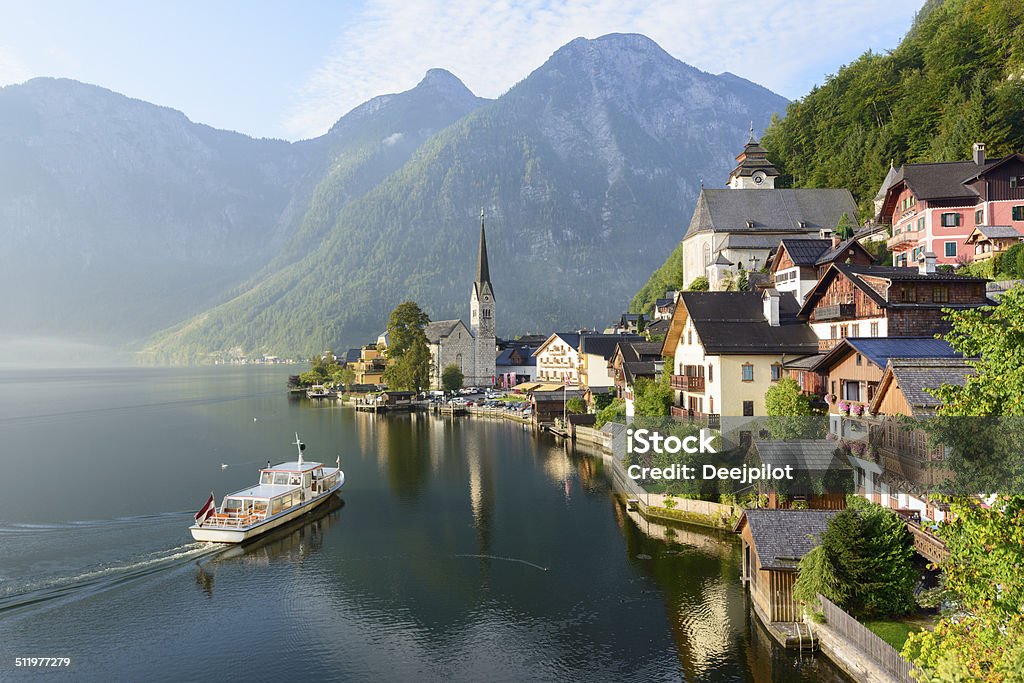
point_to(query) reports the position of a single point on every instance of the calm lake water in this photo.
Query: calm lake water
(465, 551)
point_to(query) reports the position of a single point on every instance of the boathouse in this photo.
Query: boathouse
(773, 543)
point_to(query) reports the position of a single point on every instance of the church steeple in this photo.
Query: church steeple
(483, 272)
(753, 169)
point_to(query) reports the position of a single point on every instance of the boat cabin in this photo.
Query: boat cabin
(281, 488)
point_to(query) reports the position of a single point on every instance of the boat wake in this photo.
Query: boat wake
(52, 593)
(508, 559)
(25, 528)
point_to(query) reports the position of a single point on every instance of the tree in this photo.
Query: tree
(408, 355)
(790, 412)
(993, 337)
(982, 638)
(613, 412)
(864, 563)
(576, 406)
(699, 284)
(844, 228)
(652, 398)
(602, 401)
(452, 377)
(344, 376)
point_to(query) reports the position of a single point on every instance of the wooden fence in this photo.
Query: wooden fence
(884, 654)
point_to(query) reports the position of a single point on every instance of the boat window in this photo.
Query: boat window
(267, 478)
(232, 504)
(280, 477)
(305, 480)
(294, 479)
(277, 506)
(261, 506)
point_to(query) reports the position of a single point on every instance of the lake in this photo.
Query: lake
(462, 550)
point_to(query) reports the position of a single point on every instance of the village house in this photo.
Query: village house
(989, 240)
(596, 351)
(632, 361)
(798, 264)
(773, 543)
(370, 367)
(663, 307)
(822, 475)
(729, 348)
(515, 364)
(740, 226)
(934, 207)
(558, 359)
(907, 457)
(883, 301)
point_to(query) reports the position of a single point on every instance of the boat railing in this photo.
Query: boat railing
(235, 519)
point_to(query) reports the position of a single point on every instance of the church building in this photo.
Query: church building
(738, 227)
(473, 349)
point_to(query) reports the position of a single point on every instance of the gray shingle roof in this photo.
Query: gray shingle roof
(941, 180)
(879, 350)
(804, 455)
(805, 252)
(778, 211)
(734, 323)
(999, 231)
(782, 537)
(915, 376)
(604, 344)
(439, 329)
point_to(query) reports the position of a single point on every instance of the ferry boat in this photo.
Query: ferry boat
(320, 391)
(285, 491)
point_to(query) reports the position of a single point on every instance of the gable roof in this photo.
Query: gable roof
(857, 273)
(604, 344)
(770, 211)
(915, 376)
(782, 537)
(817, 252)
(803, 455)
(940, 180)
(994, 232)
(878, 350)
(570, 338)
(439, 329)
(734, 323)
(516, 355)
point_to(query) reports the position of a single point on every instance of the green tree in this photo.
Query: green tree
(790, 412)
(408, 354)
(344, 376)
(699, 284)
(993, 337)
(452, 377)
(844, 228)
(576, 406)
(652, 398)
(982, 638)
(613, 412)
(601, 401)
(864, 564)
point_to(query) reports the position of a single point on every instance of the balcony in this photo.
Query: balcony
(826, 345)
(712, 420)
(835, 312)
(902, 240)
(690, 383)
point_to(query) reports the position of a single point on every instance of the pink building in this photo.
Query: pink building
(935, 207)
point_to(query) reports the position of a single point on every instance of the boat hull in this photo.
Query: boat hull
(213, 534)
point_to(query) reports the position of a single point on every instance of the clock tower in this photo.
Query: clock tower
(481, 313)
(753, 170)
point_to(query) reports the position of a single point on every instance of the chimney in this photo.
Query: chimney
(979, 153)
(926, 262)
(770, 301)
(835, 241)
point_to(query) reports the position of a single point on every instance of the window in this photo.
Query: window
(874, 329)
(950, 249)
(855, 330)
(844, 331)
(940, 294)
(707, 255)
(711, 373)
(907, 294)
(860, 360)
(776, 372)
(1013, 181)
(832, 330)
(950, 220)
(920, 224)
(689, 337)
(748, 409)
(1018, 213)
(979, 217)
(747, 372)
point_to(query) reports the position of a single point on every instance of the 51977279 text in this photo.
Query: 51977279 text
(42, 661)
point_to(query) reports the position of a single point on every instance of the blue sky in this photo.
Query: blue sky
(289, 70)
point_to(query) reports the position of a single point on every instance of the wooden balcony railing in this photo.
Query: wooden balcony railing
(825, 345)
(690, 383)
(712, 420)
(835, 312)
(927, 545)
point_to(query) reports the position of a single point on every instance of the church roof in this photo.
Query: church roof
(483, 270)
(890, 178)
(439, 329)
(765, 212)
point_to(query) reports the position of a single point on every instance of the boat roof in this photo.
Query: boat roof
(293, 466)
(263, 491)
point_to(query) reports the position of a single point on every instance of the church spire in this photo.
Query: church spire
(483, 273)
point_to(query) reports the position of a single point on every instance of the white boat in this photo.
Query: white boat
(286, 491)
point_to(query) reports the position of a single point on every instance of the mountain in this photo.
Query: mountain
(119, 218)
(587, 170)
(956, 78)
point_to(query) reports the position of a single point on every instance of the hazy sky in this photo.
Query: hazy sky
(289, 70)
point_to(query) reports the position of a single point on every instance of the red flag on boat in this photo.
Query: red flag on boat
(208, 509)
